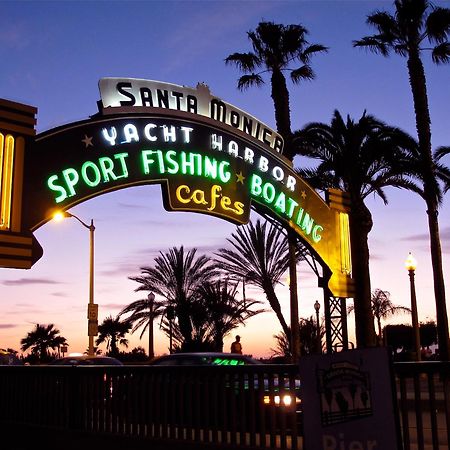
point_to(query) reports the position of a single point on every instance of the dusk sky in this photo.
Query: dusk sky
(53, 55)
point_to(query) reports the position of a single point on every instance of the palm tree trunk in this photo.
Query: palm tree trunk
(184, 322)
(151, 345)
(295, 329)
(114, 350)
(380, 340)
(273, 301)
(419, 90)
(360, 226)
(280, 97)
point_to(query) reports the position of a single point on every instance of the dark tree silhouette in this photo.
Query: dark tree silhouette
(113, 331)
(276, 48)
(41, 339)
(417, 26)
(361, 158)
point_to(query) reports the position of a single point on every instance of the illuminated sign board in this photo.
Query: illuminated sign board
(137, 94)
(154, 133)
(201, 169)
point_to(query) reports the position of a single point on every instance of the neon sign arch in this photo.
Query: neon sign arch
(208, 156)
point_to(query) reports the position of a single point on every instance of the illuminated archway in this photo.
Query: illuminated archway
(208, 156)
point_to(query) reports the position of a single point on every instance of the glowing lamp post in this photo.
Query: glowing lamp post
(411, 265)
(319, 341)
(92, 313)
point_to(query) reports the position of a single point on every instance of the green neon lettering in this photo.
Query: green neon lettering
(107, 166)
(291, 206)
(95, 171)
(147, 161)
(224, 173)
(161, 168)
(269, 192)
(190, 161)
(172, 164)
(210, 168)
(298, 220)
(255, 185)
(55, 187)
(121, 157)
(307, 223)
(316, 233)
(71, 178)
(280, 203)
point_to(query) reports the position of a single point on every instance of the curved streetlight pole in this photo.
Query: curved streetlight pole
(411, 265)
(92, 313)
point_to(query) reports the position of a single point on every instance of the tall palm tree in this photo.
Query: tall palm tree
(417, 26)
(361, 158)
(41, 339)
(113, 331)
(143, 313)
(224, 310)
(382, 308)
(259, 255)
(176, 276)
(275, 48)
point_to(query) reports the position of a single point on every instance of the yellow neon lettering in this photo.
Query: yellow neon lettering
(183, 187)
(215, 194)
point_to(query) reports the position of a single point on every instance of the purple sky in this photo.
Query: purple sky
(54, 53)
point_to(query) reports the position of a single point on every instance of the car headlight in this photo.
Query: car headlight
(285, 400)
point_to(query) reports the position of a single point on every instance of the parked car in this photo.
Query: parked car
(203, 359)
(287, 400)
(86, 360)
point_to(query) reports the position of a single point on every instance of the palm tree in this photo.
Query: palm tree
(260, 256)
(275, 48)
(41, 339)
(176, 276)
(406, 33)
(224, 312)
(382, 308)
(113, 332)
(143, 313)
(361, 158)
(308, 339)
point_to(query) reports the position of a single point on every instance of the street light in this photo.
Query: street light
(92, 314)
(411, 265)
(319, 340)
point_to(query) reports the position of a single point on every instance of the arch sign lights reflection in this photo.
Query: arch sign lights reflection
(208, 156)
